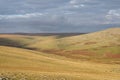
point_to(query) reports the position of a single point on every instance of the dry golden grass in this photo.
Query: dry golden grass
(15, 61)
(107, 38)
(26, 61)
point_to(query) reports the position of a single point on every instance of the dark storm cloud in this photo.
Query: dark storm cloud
(58, 15)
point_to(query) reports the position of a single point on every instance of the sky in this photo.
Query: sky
(43, 16)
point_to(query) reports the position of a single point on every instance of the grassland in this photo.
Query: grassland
(94, 56)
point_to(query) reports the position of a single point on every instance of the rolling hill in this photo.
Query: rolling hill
(93, 46)
(93, 56)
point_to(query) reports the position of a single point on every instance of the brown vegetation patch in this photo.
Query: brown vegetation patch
(74, 52)
(89, 43)
(81, 52)
(110, 55)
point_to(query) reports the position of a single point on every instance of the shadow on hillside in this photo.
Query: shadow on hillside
(8, 42)
(12, 43)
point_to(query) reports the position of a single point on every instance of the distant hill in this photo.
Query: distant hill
(102, 44)
(47, 34)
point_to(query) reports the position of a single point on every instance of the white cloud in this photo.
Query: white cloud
(73, 2)
(113, 16)
(79, 6)
(28, 15)
(82, 5)
(76, 6)
(78, 1)
(114, 12)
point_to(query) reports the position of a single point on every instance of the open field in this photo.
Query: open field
(93, 56)
(32, 65)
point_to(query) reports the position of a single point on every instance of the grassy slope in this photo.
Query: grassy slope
(19, 63)
(21, 56)
(107, 38)
(103, 45)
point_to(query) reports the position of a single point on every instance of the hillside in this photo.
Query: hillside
(100, 44)
(110, 37)
(93, 56)
(93, 46)
(17, 64)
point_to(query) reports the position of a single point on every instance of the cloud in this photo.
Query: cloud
(29, 15)
(80, 1)
(114, 13)
(73, 2)
(113, 16)
(58, 15)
